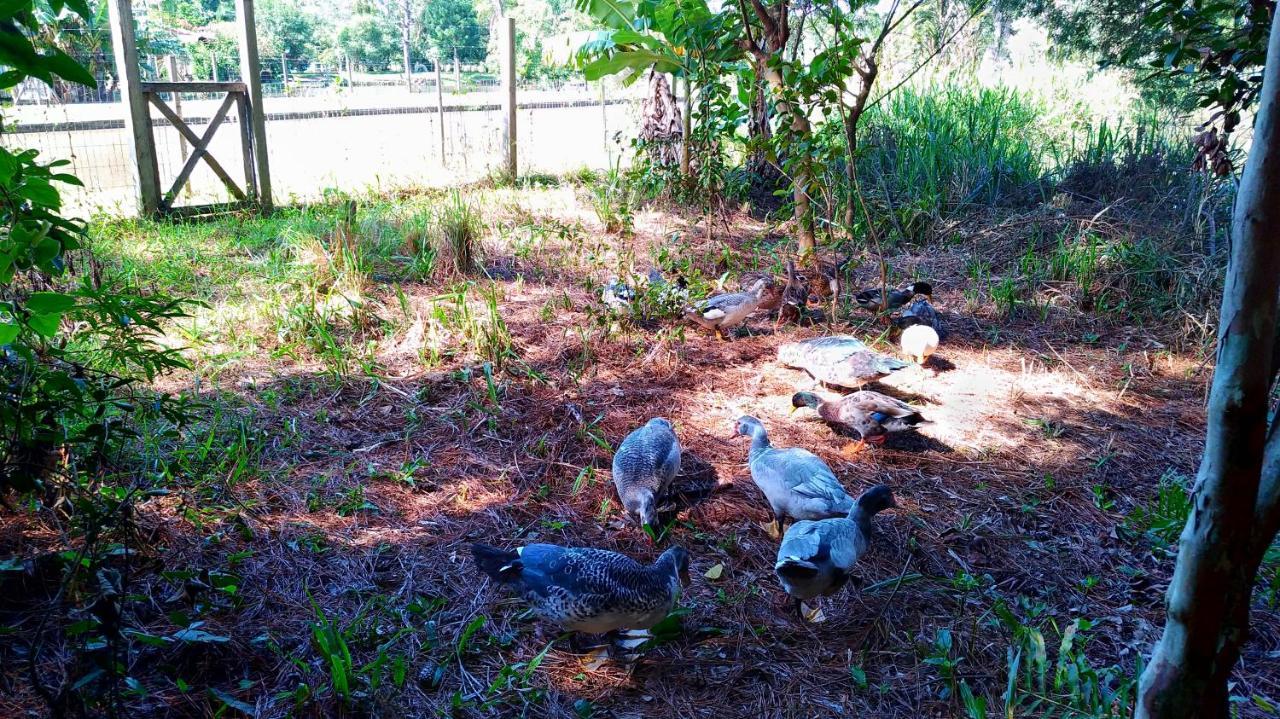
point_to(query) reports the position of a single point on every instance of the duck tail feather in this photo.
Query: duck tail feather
(502, 565)
(795, 567)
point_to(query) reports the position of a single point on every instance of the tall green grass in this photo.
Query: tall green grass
(935, 150)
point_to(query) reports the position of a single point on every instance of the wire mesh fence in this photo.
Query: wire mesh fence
(330, 125)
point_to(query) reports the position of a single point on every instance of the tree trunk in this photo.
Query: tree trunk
(1236, 506)
(686, 150)
(661, 130)
(801, 179)
(406, 25)
(758, 130)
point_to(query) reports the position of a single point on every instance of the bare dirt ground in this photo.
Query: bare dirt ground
(1046, 434)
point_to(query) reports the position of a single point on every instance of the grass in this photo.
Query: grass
(372, 406)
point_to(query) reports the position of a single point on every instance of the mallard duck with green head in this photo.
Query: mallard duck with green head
(872, 415)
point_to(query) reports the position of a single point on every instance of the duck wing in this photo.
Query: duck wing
(649, 457)
(808, 476)
(875, 402)
(819, 351)
(580, 572)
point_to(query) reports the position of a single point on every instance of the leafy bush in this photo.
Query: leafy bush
(75, 357)
(612, 199)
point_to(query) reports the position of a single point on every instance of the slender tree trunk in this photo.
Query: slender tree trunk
(758, 126)
(1236, 505)
(406, 25)
(801, 179)
(686, 141)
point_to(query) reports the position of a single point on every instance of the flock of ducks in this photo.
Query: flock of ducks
(596, 591)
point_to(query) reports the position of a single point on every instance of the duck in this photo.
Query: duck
(839, 360)
(722, 312)
(869, 299)
(794, 299)
(617, 295)
(816, 558)
(643, 467)
(668, 293)
(588, 590)
(771, 298)
(919, 312)
(795, 481)
(872, 415)
(919, 342)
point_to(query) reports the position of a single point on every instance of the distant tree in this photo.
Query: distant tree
(405, 17)
(454, 24)
(368, 40)
(284, 28)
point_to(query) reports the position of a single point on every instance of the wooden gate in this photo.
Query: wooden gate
(236, 93)
(138, 97)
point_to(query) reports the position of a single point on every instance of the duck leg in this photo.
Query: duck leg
(853, 449)
(774, 530)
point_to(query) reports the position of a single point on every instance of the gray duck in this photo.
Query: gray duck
(588, 590)
(839, 360)
(795, 481)
(643, 467)
(816, 558)
(727, 310)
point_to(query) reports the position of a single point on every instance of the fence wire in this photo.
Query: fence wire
(331, 126)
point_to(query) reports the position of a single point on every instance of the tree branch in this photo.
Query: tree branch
(752, 46)
(929, 59)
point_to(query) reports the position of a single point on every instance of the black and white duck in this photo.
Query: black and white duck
(816, 558)
(588, 590)
(872, 415)
(869, 299)
(643, 467)
(795, 481)
(726, 311)
(839, 360)
(921, 330)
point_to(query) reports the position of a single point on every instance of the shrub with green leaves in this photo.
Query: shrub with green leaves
(76, 358)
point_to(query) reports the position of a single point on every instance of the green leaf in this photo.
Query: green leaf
(199, 636)
(65, 67)
(7, 333)
(859, 677)
(43, 303)
(9, 8)
(616, 14)
(46, 325)
(233, 703)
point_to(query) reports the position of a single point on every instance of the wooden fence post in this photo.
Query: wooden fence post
(508, 42)
(137, 117)
(284, 72)
(440, 108)
(457, 73)
(251, 75)
(176, 99)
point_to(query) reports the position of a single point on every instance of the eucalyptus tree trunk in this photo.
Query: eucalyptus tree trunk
(1236, 507)
(767, 51)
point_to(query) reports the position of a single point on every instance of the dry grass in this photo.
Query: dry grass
(1041, 444)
